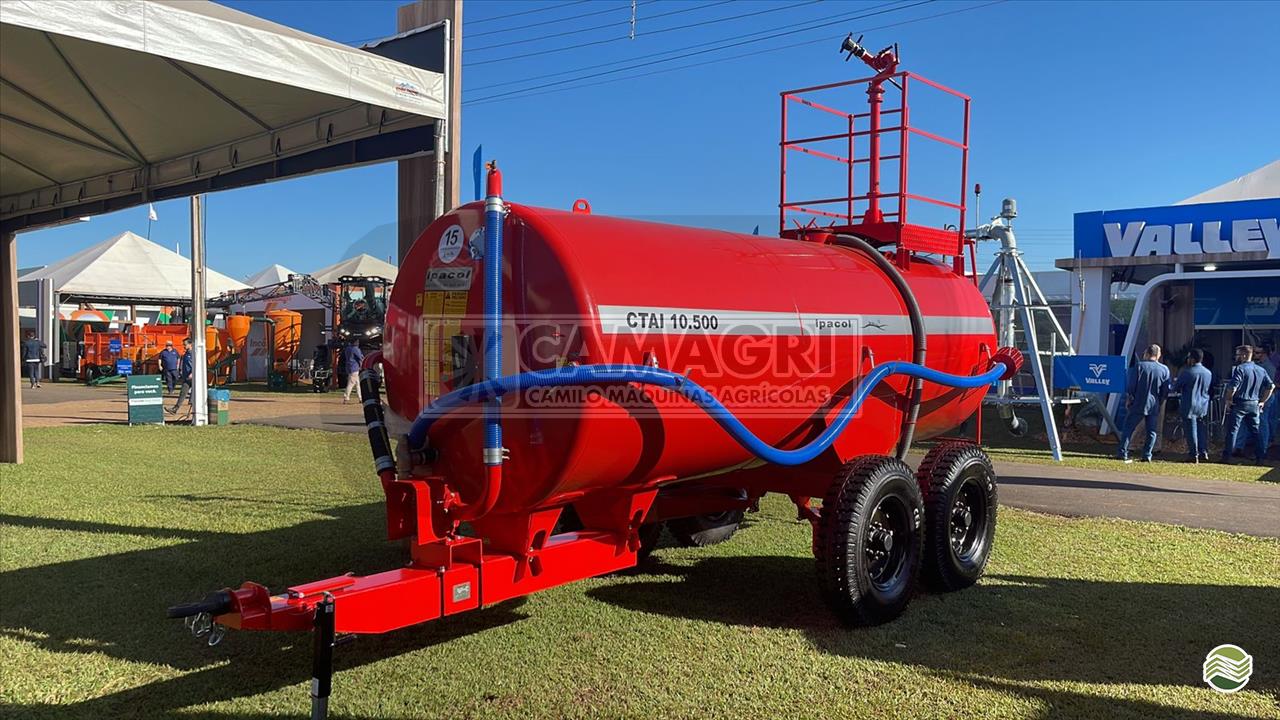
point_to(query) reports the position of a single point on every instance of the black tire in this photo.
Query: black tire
(959, 486)
(870, 540)
(703, 530)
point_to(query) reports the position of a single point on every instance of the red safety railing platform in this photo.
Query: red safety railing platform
(871, 207)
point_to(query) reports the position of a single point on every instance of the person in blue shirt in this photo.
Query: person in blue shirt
(33, 357)
(1248, 391)
(184, 372)
(1193, 384)
(1262, 358)
(169, 366)
(1146, 389)
(352, 357)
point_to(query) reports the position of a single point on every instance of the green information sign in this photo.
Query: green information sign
(145, 394)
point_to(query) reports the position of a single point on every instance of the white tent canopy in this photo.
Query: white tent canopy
(1258, 185)
(128, 268)
(105, 105)
(108, 105)
(361, 264)
(269, 275)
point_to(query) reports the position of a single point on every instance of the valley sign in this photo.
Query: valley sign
(1246, 226)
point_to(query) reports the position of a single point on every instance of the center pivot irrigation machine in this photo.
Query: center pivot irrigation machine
(572, 383)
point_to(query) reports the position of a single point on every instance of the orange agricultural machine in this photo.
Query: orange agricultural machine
(139, 345)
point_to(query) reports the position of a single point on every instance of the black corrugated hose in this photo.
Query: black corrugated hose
(918, 335)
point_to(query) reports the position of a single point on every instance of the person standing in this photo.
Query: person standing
(1267, 423)
(1193, 384)
(1248, 391)
(1146, 388)
(352, 357)
(34, 355)
(169, 366)
(184, 393)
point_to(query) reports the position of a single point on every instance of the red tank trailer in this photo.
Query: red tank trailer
(576, 382)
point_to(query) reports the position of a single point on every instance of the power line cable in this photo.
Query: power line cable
(593, 28)
(526, 12)
(771, 32)
(469, 23)
(825, 23)
(649, 33)
(529, 92)
(616, 8)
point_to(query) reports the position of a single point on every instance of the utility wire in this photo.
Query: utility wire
(526, 12)
(530, 92)
(771, 32)
(593, 28)
(469, 23)
(645, 34)
(555, 21)
(824, 23)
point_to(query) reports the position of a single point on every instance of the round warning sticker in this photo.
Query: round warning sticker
(450, 244)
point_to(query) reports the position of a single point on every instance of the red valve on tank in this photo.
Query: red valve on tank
(493, 184)
(1012, 359)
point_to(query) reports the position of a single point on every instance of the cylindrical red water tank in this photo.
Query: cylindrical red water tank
(779, 330)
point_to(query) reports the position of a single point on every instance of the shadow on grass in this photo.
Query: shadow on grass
(1007, 479)
(1002, 634)
(115, 605)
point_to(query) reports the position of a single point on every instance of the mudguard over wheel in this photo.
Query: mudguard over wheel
(870, 540)
(959, 486)
(703, 530)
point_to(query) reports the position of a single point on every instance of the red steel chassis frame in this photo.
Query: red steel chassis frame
(872, 223)
(449, 573)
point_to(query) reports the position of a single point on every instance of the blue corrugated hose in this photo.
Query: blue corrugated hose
(493, 323)
(600, 374)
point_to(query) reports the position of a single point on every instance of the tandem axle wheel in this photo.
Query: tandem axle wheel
(882, 526)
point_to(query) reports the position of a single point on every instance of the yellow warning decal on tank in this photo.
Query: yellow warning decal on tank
(430, 358)
(455, 303)
(432, 304)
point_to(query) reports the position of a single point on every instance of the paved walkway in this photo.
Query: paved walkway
(1242, 507)
(72, 403)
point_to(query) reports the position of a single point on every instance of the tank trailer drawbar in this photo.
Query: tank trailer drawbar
(665, 384)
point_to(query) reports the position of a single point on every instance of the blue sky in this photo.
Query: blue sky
(1076, 106)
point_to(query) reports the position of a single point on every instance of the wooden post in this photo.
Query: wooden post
(10, 376)
(417, 192)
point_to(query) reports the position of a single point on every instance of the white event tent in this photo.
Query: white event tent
(269, 275)
(360, 265)
(127, 269)
(109, 105)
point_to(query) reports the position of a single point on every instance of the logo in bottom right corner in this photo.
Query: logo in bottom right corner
(1227, 668)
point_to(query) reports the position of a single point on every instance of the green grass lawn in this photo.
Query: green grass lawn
(106, 526)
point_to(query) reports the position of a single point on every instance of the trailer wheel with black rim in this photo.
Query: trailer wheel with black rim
(708, 529)
(959, 486)
(870, 540)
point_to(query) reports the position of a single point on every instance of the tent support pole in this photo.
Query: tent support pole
(199, 366)
(10, 377)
